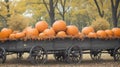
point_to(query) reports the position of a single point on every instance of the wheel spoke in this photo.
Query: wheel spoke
(74, 55)
(2, 55)
(39, 54)
(117, 54)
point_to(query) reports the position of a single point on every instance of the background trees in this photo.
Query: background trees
(78, 12)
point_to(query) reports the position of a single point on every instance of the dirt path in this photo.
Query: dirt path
(106, 61)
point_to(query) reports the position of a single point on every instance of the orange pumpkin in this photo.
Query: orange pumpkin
(61, 34)
(72, 30)
(49, 32)
(1, 35)
(87, 30)
(6, 32)
(79, 35)
(116, 32)
(12, 37)
(59, 25)
(2, 38)
(42, 36)
(32, 33)
(14, 32)
(20, 35)
(26, 30)
(109, 33)
(101, 34)
(92, 35)
(41, 26)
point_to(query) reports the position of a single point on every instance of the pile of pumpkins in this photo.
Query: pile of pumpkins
(59, 29)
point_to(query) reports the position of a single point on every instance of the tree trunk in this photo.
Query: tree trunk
(63, 16)
(114, 7)
(114, 17)
(51, 12)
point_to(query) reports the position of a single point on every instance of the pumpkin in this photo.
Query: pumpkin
(92, 35)
(49, 32)
(2, 38)
(42, 36)
(12, 36)
(72, 30)
(109, 33)
(101, 34)
(59, 25)
(41, 26)
(116, 32)
(87, 30)
(32, 33)
(79, 35)
(61, 34)
(1, 35)
(14, 32)
(19, 35)
(6, 32)
(26, 30)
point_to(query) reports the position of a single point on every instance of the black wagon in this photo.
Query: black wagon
(69, 50)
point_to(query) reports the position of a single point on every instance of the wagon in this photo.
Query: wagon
(68, 49)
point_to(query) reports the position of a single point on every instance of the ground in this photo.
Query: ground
(106, 61)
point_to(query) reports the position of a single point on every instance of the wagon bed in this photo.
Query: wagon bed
(63, 49)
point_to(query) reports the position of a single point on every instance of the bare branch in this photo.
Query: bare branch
(64, 7)
(55, 3)
(99, 10)
(112, 4)
(46, 6)
(61, 3)
(59, 11)
(117, 4)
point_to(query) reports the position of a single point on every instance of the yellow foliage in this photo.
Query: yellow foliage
(100, 24)
(18, 22)
(1, 26)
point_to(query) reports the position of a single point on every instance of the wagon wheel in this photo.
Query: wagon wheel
(2, 55)
(111, 52)
(37, 55)
(117, 54)
(59, 56)
(95, 54)
(73, 55)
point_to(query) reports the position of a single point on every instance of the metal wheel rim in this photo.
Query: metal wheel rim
(2, 55)
(72, 57)
(38, 55)
(117, 54)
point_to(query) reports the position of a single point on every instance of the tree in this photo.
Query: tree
(114, 9)
(50, 6)
(100, 11)
(62, 7)
(115, 12)
(4, 5)
(9, 8)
